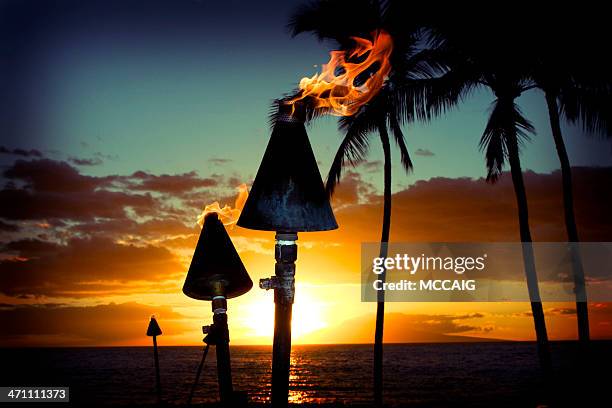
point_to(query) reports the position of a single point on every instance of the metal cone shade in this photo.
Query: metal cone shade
(153, 329)
(288, 192)
(216, 268)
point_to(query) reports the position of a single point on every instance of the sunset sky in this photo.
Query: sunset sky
(121, 120)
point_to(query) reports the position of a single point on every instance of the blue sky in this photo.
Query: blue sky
(166, 86)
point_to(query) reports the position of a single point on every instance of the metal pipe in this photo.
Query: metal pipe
(221, 334)
(198, 373)
(283, 284)
(157, 377)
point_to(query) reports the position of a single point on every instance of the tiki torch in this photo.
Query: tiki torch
(216, 274)
(288, 197)
(153, 331)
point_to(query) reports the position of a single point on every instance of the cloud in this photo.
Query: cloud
(166, 183)
(6, 227)
(406, 328)
(371, 166)
(48, 324)
(219, 161)
(78, 235)
(464, 209)
(94, 161)
(79, 205)
(59, 209)
(49, 189)
(86, 267)
(47, 175)
(155, 227)
(351, 190)
(424, 152)
(563, 311)
(21, 152)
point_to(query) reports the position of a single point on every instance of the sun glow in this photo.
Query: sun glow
(308, 317)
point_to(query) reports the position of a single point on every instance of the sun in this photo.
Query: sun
(308, 316)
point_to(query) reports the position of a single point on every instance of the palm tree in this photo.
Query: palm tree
(488, 54)
(394, 105)
(377, 116)
(579, 96)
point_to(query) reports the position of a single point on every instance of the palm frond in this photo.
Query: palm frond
(505, 121)
(588, 105)
(426, 99)
(398, 135)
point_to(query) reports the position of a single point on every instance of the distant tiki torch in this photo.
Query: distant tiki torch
(216, 274)
(288, 197)
(153, 331)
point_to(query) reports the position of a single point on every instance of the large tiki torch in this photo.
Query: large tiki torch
(287, 196)
(217, 274)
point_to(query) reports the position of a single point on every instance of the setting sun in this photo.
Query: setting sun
(308, 316)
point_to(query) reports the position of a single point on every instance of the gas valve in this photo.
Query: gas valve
(269, 283)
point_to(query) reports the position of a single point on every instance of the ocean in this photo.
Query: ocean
(421, 375)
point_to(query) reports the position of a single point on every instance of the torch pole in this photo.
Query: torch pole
(224, 370)
(284, 289)
(157, 379)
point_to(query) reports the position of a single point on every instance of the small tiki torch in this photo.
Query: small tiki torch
(153, 331)
(216, 274)
(288, 197)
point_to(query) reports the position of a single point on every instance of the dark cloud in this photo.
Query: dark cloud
(30, 325)
(47, 175)
(79, 205)
(155, 227)
(464, 209)
(93, 209)
(31, 248)
(94, 161)
(49, 189)
(6, 227)
(166, 183)
(21, 152)
(424, 152)
(84, 267)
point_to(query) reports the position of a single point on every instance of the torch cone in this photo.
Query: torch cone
(153, 331)
(215, 262)
(288, 193)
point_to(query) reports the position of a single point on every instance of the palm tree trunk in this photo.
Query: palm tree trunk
(384, 239)
(528, 257)
(582, 311)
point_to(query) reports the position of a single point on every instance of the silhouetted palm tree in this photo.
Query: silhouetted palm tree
(575, 88)
(395, 104)
(489, 54)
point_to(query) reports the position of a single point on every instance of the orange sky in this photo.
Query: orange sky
(98, 283)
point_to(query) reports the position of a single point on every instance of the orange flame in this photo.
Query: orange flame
(335, 87)
(227, 215)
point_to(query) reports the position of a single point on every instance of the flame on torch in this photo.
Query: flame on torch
(227, 215)
(343, 85)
